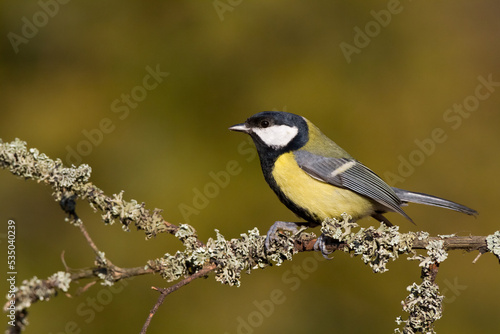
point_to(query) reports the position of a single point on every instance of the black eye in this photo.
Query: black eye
(264, 124)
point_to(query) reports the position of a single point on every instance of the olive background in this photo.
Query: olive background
(226, 61)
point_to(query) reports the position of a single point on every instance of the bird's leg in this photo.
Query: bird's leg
(280, 225)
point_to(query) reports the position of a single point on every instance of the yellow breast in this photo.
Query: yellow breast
(320, 198)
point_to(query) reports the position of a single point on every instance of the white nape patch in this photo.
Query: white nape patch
(277, 136)
(343, 168)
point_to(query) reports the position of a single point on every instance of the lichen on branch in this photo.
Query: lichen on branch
(73, 183)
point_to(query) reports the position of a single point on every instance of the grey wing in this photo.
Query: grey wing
(352, 175)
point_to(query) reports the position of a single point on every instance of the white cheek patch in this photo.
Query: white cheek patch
(277, 136)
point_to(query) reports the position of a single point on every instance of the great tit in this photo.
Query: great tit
(316, 179)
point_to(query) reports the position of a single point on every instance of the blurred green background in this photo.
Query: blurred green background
(226, 61)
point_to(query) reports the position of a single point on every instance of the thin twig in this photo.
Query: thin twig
(63, 260)
(88, 238)
(166, 291)
(117, 273)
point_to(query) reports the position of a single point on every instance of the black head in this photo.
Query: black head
(275, 132)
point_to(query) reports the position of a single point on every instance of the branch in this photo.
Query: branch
(452, 242)
(226, 258)
(69, 183)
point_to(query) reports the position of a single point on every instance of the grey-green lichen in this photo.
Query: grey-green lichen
(282, 246)
(493, 243)
(435, 253)
(171, 267)
(61, 280)
(30, 292)
(106, 275)
(31, 164)
(126, 212)
(230, 261)
(182, 264)
(379, 245)
(446, 236)
(424, 303)
(68, 182)
(422, 235)
(424, 306)
(232, 257)
(187, 235)
(375, 245)
(36, 289)
(236, 255)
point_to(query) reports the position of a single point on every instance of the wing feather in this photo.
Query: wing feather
(350, 174)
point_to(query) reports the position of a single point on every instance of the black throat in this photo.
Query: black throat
(268, 155)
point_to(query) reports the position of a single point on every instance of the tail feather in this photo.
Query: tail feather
(421, 198)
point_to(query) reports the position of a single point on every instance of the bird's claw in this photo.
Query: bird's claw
(279, 225)
(321, 244)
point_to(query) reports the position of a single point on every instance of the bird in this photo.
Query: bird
(317, 180)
